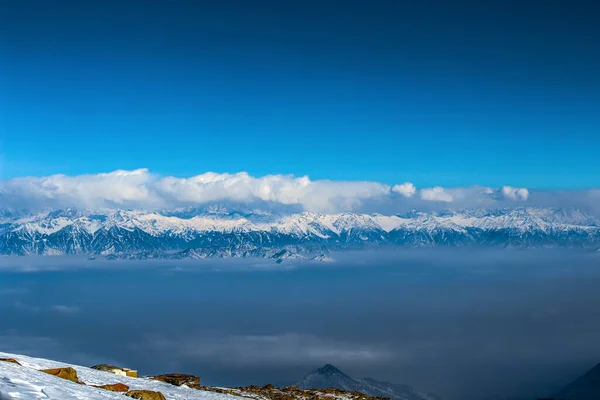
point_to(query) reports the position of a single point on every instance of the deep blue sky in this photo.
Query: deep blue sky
(434, 92)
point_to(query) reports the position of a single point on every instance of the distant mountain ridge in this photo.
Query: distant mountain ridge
(587, 387)
(329, 376)
(218, 232)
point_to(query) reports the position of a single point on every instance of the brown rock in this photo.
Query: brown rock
(115, 387)
(178, 379)
(10, 360)
(145, 395)
(65, 373)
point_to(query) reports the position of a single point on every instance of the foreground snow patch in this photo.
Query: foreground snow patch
(26, 382)
(20, 382)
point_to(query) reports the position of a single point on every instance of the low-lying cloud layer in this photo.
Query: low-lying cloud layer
(467, 324)
(267, 350)
(142, 189)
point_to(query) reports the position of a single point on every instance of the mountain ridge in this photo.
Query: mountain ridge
(229, 233)
(330, 376)
(586, 387)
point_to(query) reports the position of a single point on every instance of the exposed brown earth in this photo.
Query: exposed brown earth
(64, 373)
(145, 395)
(178, 379)
(115, 387)
(232, 392)
(10, 360)
(288, 393)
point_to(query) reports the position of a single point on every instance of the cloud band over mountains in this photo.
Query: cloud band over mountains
(142, 189)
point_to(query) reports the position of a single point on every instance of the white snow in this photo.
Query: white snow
(308, 223)
(27, 383)
(303, 227)
(388, 223)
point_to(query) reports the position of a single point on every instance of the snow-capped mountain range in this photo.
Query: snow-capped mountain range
(218, 232)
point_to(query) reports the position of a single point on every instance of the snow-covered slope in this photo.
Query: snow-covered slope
(201, 234)
(329, 376)
(25, 382)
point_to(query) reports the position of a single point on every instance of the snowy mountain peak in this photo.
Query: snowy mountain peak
(214, 232)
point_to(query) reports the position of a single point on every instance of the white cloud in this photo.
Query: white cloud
(283, 189)
(436, 194)
(143, 190)
(140, 189)
(406, 189)
(88, 191)
(515, 193)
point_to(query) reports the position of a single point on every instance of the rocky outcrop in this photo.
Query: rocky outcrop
(106, 367)
(178, 379)
(65, 373)
(113, 369)
(10, 360)
(145, 395)
(115, 387)
(271, 392)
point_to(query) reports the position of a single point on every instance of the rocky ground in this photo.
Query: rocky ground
(270, 392)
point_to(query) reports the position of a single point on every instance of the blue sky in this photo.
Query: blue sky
(389, 91)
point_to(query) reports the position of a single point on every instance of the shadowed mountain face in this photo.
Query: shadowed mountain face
(329, 376)
(586, 387)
